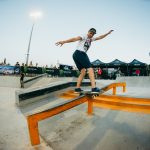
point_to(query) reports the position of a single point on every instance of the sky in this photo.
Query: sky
(64, 19)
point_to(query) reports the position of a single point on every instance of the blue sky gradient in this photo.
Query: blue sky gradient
(63, 19)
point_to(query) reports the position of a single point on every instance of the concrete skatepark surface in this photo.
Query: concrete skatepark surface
(74, 129)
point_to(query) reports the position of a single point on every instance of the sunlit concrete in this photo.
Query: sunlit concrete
(74, 129)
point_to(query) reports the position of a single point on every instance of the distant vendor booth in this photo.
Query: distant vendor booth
(137, 68)
(119, 68)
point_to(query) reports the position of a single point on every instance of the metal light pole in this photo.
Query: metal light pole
(29, 45)
(35, 16)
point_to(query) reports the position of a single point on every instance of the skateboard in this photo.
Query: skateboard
(90, 93)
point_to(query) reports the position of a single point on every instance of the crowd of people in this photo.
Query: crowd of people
(100, 73)
(4, 63)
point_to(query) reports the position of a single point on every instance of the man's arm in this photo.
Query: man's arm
(68, 41)
(103, 36)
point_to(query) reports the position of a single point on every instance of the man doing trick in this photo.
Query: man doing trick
(81, 58)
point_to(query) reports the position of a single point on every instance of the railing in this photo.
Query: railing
(113, 86)
(33, 119)
(130, 104)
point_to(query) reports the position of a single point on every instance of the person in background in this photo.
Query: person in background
(99, 72)
(22, 80)
(137, 72)
(17, 64)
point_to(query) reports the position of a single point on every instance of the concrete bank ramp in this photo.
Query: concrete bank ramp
(47, 80)
(136, 81)
(138, 87)
(101, 83)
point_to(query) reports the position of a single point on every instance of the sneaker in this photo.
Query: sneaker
(78, 90)
(95, 90)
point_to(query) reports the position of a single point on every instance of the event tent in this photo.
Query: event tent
(116, 63)
(98, 63)
(137, 63)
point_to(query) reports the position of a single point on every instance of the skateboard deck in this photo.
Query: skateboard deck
(89, 92)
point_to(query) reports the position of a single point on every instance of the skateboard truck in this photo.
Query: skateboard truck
(90, 93)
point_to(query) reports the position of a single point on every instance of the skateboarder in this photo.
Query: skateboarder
(22, 80)
(81, 58)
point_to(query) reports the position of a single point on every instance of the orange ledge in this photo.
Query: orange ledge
(35, 118)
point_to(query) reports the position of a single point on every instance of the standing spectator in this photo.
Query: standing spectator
(118, 72)
(137, 72)
(4, 61)
(17, 68)
(22, 80)
(99, 72)
(22, 67)
(17, 64)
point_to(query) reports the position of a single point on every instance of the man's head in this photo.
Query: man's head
(91, 32)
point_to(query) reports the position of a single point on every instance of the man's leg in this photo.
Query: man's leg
(80, 78)
(21, 83)
(91, 76)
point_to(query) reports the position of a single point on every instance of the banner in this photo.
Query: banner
(66, 71)
(65, 67)
(52, 72)
(9, 69)
(33, 70)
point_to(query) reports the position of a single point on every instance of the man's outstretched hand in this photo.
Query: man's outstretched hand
(110, 31)
(60, 43)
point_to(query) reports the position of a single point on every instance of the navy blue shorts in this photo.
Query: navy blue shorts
(81, 60)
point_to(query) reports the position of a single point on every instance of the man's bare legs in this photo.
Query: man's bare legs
(91, 76)
(80, 78)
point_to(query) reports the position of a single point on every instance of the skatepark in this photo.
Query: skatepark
(118, 123)
(47, 48)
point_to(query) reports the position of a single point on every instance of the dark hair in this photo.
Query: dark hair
(92, 30)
